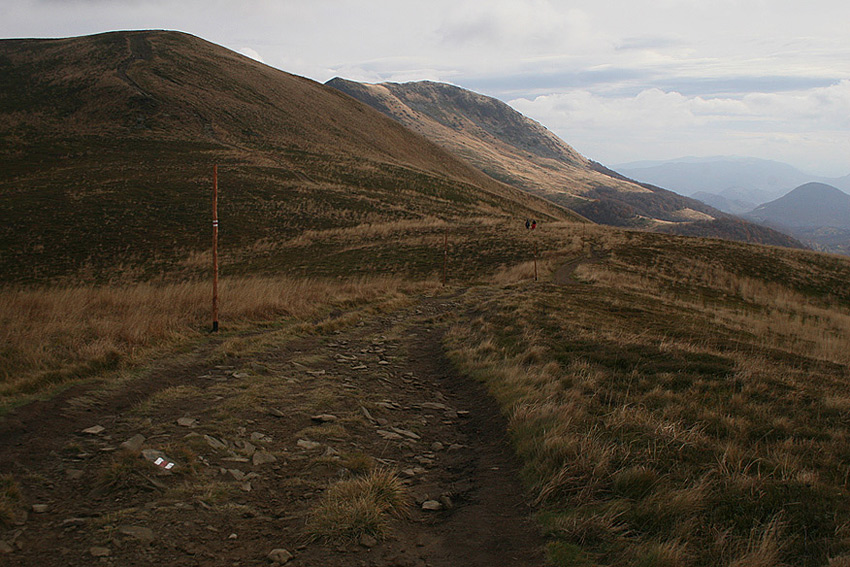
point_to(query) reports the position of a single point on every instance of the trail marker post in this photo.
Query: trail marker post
(445, 254)
(535, 260)
(215, 250)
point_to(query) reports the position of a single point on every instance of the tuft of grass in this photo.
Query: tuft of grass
(11, 500)
(561, 554)
(358, 506)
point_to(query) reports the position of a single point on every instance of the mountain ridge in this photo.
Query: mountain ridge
(809, 205)
(526, 155)
(734, 178)
(121, 130)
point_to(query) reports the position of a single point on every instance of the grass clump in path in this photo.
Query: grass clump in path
(359, 506)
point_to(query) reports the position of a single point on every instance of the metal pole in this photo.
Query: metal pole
(215, 250)
(535, 260)
(445, 254)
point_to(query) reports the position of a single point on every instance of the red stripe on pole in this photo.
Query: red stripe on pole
(215, 250)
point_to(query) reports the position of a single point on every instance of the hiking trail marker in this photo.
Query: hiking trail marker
(215, 250)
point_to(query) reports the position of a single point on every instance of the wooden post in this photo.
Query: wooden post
(535, 260)
(215, 250)
(445, 254)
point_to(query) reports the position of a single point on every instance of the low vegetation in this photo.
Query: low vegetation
(682, 405)
(359, 506)
(674, 401)
(52, 336)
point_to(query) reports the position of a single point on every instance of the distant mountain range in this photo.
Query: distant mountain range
(815, 213)
(516, 150)
(731, 184)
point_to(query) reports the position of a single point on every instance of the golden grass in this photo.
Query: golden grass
(675, 411)
(358, 506)
(55, 335)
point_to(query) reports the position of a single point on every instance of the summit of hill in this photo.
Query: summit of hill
(108, 141)
(809, 205)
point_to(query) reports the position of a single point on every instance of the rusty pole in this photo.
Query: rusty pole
(215, 250)
(445, 254)
(535, 260)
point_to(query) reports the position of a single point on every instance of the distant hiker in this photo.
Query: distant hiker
(527, 224)
(533, 224)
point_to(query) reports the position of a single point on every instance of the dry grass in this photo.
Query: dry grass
(50, 336)
(362, 505)
(11, 501)
(673, 410)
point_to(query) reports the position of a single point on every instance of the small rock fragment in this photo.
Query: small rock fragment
(187, 422)
(307, 444)
(406, 433)
(134, 443)
(324, 418)
(275, 412)
(432, 505)
(279, 556)
(246, 448)
(367, 414)
(73, 474)
(140, 533)
(40, 508)
(97, 551)
(214, 443)
(389, 435)
(368, 541)
(94, 430)
(263, 458)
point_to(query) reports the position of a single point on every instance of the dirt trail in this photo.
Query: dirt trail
(396, 399)
(564, 274)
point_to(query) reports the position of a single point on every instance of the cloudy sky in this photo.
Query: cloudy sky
(620, 80)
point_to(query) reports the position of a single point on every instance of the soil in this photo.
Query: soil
(397, 400)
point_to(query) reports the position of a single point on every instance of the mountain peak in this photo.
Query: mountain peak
(809, 205)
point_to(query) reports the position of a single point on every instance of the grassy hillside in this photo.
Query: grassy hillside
(678, 402)
(107, 144)
(675, 401)
(517, 150)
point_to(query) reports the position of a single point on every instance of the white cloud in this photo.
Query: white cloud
(511, 24)
(248, 52)
(806, 128)
(624, 79)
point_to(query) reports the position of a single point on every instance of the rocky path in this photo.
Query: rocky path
(258, 427)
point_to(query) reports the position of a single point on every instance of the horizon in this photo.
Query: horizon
(619, 82)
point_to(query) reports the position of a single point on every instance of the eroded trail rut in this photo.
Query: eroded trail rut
(395, 397)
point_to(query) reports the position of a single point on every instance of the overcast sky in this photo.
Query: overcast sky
(620, 80)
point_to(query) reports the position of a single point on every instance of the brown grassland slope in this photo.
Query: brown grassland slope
(107, 144)
(673, 401)
(512, 148)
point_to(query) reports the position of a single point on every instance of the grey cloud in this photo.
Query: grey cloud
(648, 42)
